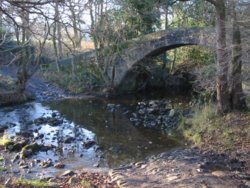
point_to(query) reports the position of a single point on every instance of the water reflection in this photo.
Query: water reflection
(117, 137)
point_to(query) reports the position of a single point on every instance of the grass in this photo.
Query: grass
(201, 122)
(208, 130)
(32, 183)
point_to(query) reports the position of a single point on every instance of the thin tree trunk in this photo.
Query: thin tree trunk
(59, 33)
(22, 73)
(165, 54)
(238, 101)
(58, 30)
(55, 46)
(173, 62)
(223, 105)
(54, 39)
(93, 33)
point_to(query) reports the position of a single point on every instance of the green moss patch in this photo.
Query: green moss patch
(31, 183)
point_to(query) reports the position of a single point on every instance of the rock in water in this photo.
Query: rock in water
(88, 144)
(59, 165)
(172, 113)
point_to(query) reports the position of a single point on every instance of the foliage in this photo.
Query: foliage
(83, 77)
(193, 14)
(204, 84)
(129, 19)
(194, 55)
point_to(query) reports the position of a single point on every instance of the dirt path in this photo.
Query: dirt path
(185, 168)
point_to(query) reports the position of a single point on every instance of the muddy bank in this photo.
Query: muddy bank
(186, 168)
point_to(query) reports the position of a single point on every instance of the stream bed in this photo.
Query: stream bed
(80, 134)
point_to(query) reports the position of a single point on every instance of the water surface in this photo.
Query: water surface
(118, 142)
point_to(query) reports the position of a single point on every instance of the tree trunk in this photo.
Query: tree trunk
(59, 30)
(223, 104)
(55, 46)
(238, 101)
(59, 33)
(165, 54)
(54, 39)
(22, 75)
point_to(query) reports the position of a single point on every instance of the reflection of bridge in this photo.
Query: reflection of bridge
(155, 44)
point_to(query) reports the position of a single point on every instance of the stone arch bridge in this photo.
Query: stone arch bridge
(120, 63)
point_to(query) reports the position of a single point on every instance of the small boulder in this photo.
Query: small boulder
(59, 165)
(69, 140)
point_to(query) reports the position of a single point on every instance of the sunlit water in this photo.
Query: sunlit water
(118, 141)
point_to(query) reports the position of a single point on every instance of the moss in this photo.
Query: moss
(32, 183)
(4, 140)
(86, 184)
(3, 169)
(32, 147)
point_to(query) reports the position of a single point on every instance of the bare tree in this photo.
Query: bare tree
(25, 55)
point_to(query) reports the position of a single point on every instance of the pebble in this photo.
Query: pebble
(218, 173)
(68, 173)
(24, 166)
(46, 164)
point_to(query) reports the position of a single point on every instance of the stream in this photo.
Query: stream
(83, 133)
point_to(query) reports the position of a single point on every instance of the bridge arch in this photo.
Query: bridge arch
(155, 44)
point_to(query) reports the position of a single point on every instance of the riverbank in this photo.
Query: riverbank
(214, 163)
(220, 160)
